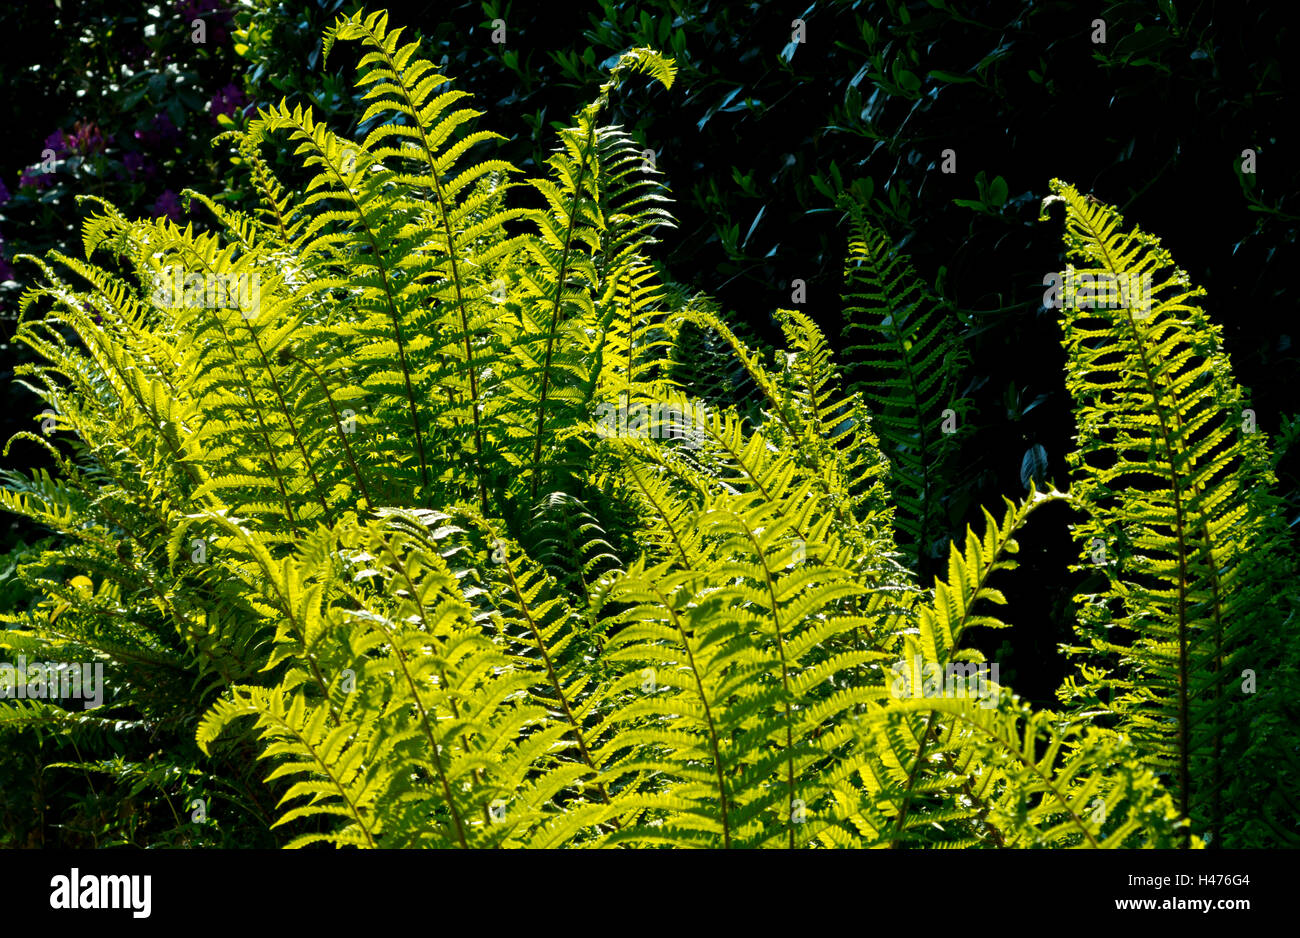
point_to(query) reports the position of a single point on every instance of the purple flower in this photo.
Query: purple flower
(160, 131)
(87, 138)
(227, 101)
(136, 165)
(169, 205)
(35, 178)
(58, 142)
(4, 193)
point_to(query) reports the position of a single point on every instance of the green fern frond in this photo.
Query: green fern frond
(906, 364)
(1183, 523)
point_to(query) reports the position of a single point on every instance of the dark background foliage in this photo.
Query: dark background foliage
(758, 139)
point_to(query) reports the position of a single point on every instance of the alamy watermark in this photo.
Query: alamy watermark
(174, 287)
(52, 681)
(1098, 289)
(958, 679)
(90, 891)
(658, 420)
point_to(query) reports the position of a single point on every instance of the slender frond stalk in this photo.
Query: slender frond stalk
(552, 330)
(338, 425)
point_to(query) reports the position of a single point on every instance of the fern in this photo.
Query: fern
(1183, 517)
(906, 366)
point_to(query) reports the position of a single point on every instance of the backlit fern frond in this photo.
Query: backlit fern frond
(918, 767)
(1183, 523)
(734, 687)
(405, 720)
(1024, 781)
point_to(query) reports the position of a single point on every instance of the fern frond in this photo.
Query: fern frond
(1181, 507)
(906, 364)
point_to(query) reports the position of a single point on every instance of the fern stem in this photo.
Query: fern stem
(299, 628)
(785, 676)
(275, 386)
(980, 805)
(424, 721)
(293, 425)
(325, 770)
(1184, 707)
(448, 228)
(922, 553)
(261, 421)
(414, 591)
(552, 677)
(708, 716)
(1216, 805)
(958, 629)
(913, 775)
(470, 367)
(369, 234)
(406, 371)
(1018, 753)
(262, 179)
(631, 306)
(663, 514)
(559, 293)
(343, 437)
